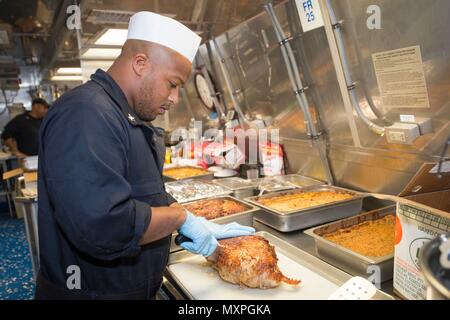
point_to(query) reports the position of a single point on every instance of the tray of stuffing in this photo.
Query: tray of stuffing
(362, 245)
(306, 207)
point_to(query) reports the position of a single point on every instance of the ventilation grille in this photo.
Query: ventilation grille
(109, 17)
(5, 35)
(114, 16)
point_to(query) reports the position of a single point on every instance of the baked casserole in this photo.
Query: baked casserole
(215, 208)
(184, 172)
(373, 238)
(301, 200)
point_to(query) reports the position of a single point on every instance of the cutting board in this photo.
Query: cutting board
(203, 282)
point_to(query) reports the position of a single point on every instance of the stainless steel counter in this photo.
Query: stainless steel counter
(306, 243)
(297, 238)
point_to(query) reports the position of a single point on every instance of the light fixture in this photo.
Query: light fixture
(101, 53)
(68, 71)
(112, 37)
(67, 78)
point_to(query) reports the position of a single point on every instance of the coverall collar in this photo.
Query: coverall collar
(153, 135)
(115, 92)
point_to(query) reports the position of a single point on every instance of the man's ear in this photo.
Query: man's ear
(141, 64)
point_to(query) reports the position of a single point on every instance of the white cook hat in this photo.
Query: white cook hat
(149, 26)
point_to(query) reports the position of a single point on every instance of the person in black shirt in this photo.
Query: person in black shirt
(21, 134)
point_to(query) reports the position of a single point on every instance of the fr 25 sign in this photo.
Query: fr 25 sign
(310, 14)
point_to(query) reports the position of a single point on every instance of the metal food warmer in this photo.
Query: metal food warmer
(190, 276)
(311, 216)
(240, 188)
(245, 188)
(194, 189)
(285, 182)
(348, 260)
(205, 175)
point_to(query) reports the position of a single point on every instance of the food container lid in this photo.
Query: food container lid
(236, 183)
(271, 184)
(194, 189)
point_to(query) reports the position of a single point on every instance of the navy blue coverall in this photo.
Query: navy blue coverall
(100, 171)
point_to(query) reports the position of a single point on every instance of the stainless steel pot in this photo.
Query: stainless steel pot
(436, 276)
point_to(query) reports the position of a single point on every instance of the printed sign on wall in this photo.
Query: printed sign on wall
(401, 78)
(310, 14)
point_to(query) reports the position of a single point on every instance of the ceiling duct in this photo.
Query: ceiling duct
(109, 17)
(119, 17)
(5, 36)
(9, 74)
(9, 70)
(10, 84)
(58, 36)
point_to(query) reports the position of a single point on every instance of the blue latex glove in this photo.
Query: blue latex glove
(230, 230)
(203, 241)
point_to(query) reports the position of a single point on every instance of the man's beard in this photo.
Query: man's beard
(144, 108)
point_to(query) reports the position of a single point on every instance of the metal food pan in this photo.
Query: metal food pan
(308, 217)
(299, 180)
(267, 185)
(194, 189)
(245, 218)
(320, 268)
(241, 188)
(244, 193)
(206, 176)
(286, 182)
(348, 260)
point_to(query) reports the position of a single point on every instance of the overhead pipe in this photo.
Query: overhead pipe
(351, 86)
(291, 66)
(299, 90)
(367, 95)
(299, 47)
(56, 40)
(214, 95)
(228, 82)
(443, 158)
(234, 60)
(215, 73)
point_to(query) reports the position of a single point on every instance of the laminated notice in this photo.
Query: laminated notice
(401, 78)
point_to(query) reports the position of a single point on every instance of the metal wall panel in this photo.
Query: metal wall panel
(404, 23)
(254, 62)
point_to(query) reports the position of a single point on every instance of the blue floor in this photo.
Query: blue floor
(16, 275)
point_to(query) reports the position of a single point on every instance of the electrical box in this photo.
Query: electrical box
(408, 130)
(425, 125)
(403, 133)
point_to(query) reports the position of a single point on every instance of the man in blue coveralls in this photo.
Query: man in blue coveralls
(105, 219)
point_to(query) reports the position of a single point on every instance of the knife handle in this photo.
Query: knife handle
(179, 239)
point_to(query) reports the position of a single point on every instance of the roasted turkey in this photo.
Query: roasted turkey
(249, 261)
